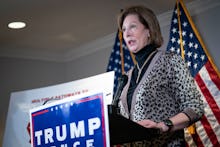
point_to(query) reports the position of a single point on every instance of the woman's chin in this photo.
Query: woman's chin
(133, 50)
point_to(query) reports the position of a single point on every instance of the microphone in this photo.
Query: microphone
(122, 81)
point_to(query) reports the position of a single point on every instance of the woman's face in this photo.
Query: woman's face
(135, 33)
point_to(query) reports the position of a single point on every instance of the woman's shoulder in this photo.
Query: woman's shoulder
(167, 53)
(169, 56)
(173, 60)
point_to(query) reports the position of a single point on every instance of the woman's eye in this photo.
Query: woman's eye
(133, 26)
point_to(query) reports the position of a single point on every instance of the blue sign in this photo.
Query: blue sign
(77, 123)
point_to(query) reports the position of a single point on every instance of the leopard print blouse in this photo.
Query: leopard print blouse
(166, 89)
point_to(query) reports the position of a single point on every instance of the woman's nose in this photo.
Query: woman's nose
(127, 33)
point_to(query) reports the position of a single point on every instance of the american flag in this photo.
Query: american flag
(120, 59)
(186, 41)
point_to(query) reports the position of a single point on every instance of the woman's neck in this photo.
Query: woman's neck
(142, 55)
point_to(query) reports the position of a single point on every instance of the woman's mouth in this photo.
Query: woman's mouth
(131, 42)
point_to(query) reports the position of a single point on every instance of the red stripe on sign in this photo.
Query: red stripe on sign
(41, 112)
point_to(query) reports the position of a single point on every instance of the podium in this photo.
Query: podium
(123, 130)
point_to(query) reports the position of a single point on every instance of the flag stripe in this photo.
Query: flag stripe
(209, 98)
(213, 74)
(210, 85)
(213, 123)
(212, 136)
(201, 138)
(211, 108)
(197, 140)
(211, 119)
(204, 128)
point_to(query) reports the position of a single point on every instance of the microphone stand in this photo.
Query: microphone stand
(121, 83)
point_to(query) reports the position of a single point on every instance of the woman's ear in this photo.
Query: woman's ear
(148, 34)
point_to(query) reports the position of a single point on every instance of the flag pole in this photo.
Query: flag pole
(121, 52)
(120, 36)
(180, 30)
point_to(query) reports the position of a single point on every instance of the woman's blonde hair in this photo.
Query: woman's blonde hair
(147, 18)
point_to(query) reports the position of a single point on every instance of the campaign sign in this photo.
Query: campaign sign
(21, 102)
(70, 123)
